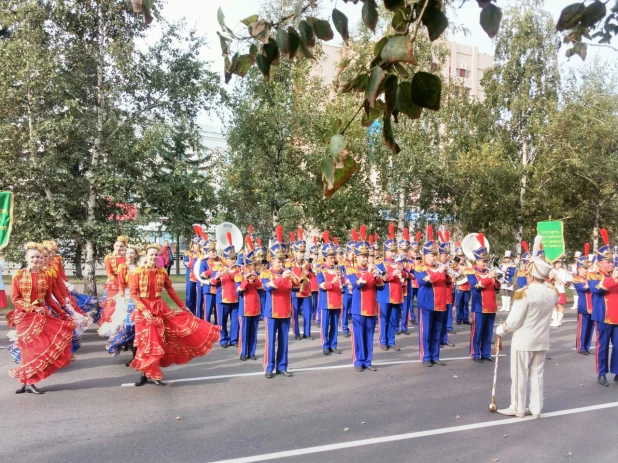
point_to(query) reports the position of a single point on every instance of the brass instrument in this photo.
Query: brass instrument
(375, 271)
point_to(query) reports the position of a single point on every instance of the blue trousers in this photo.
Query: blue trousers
(389, 314)
(314, 305)
(190, 296)
(405, 313)
(363, 330)
(462, 302)
(585, 327)
(429, 324)
(210, 308)
(444, 327)
(225, 312)
(248, 335)
(262, 303)
(346, 313)
(605, 334)
(318, 315)
(330, 325)
(411, 296)
(480, 334)
(302, 305)
(276, 344)
(200, 301)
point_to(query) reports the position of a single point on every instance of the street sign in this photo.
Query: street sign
(553, 239)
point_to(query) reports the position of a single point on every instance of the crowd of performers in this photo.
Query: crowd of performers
(362, 288)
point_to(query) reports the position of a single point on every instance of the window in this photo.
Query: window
(463, 73)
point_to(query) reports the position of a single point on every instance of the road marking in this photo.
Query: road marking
(296, 370)
(411, 435)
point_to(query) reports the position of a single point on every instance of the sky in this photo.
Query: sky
(202, 15)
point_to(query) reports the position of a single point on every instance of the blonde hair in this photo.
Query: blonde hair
(154, 246)
(32, 245)
(122, 239)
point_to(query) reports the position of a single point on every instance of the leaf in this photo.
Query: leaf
(271, 51)
(404, 103)
(294, 43)
(221, 18)
(581, 49)
(437, 22)
(398, 49)
(373, 86)
(389, 136)
(281, 38)
(426, 90)
(341, 176)
(593, 14)
(370, 14)
(491, 16)
(250, 19)
(225, 46)
(253, 50)
(337, 146)
(307, 35)
(392, 5)
(390, 93)
(570, 16)
(340, 21)
(328, 171)
(372, 113)
(306, 52)
(243, 64)
(298, 8)
(379, 46)
(400, 20)
(321, 28)
(403, 71)
(264, 64)
(260, 30)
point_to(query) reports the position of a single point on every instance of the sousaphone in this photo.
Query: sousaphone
(470, 243)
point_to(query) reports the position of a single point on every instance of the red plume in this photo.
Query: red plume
(336, 241)
(391, 231)
(279, 232)
(406, 234)
(586, 249)
(604, 235)
(429, 233)
(363, 233)
(315, 240)
(375, 237)
(250, 229)
(481, 239)
(370, 240)
(447, 235)
(300, 234)
(354, 235)
(458, 244)
(199, 231)
(292, 237)
(259, 242)
(418, 237)
(525, 246)
(326, 236)
(229, 238)
(249, 243)
(441, 236)
(541, 246)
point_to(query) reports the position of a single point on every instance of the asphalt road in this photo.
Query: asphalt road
(326, 412)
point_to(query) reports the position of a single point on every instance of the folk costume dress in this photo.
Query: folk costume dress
(107, 303)
(122, 326)
(3, 302)
(44, 339)
(168, 337)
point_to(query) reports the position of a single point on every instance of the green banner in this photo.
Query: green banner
(6, 217)
(553, 239)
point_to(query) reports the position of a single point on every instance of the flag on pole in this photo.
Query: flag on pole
(6, 217)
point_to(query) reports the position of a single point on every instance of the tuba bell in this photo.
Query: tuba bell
(470, 243)
(221, 236)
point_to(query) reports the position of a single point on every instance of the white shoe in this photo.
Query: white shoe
(510, 412)
(536, 416)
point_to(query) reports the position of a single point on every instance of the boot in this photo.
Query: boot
(559, 319)
(554, 318)
(507, 303)
(503, 304)
(142, 380)
(575, 300)
(134, 351)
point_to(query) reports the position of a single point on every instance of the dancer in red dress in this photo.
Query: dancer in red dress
(112, 262)
(164, 337)
(43, 338)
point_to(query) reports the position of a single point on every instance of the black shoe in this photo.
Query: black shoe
(335, 350)
(583, 352)
(371, 368)
(414, 322)
(243, 358)
(225, 346)
(269, 374)
(489, 359)
(233, 345)
(141, 381)
(346, 334)
(457, 323)
(616, 378)
(438, 362)
(428, 364)
(21, 390)
(451, 331)
(467, 323)
(297, 337)
(450, 344)
(398, 332)
(285, 373)
(407, 333)
(478, 360)
(253, 357)
(158, 382)
(359, 369)
(395, 347)
(305, 336)
(588, 352)
(326, 351)
(603, 381)
(32, 389)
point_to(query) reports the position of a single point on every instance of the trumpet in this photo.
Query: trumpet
(375, 271)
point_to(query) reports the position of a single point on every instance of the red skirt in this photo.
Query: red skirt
(44, 342)
(562, 299)
(169, 338)
(109, 304)
(3, 302)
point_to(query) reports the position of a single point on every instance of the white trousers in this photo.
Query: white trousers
(527, 372)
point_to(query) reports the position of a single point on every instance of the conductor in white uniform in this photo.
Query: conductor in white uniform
(529, 322)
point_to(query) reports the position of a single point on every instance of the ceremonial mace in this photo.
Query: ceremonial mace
(492, 405)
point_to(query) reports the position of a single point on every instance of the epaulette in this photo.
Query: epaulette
(420, 268)
(217, 267)
(578, 279)
(469, 271)
(238, 277)
(592, 276)
(288, 264)
(187, 253)
(521, 273)
(520, 294)
(266, 275)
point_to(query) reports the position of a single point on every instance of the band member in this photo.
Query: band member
(44, 339)
(390, 298)
(301, 299)
(573, 270)
(528, 320)
(209, 290)
(376, 249)
(225, 276)
(462, 288)
(261, 265)
(584, 304)
(278, 285)
(509, 269)
(107, 303)
(347, 268)
(522, 272)
(314, 252)
(189, 260)
(403, 248)
(249, 307)
(331, 283)
(163, 337)
(365, 280)
(444, 253)
(431, 279)
(604, 288)
(416, 257)
(484, 287)
(560, 278)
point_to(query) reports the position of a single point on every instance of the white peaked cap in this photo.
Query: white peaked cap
(538, 268)
(508, 253)
(578, 254)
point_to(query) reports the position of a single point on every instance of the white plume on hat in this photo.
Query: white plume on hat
(578, 254)
(538, 268)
